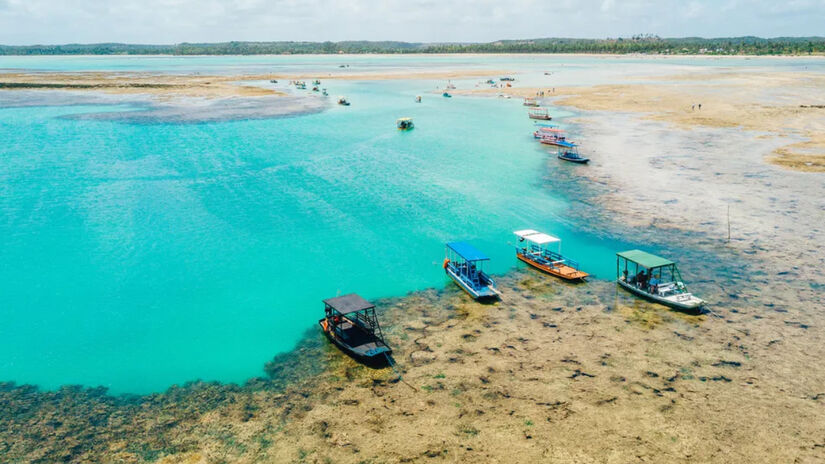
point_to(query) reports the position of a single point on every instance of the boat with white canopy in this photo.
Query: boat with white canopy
(533, 250)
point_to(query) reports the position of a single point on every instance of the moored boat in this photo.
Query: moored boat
(556, 139)
(531, 101)
(343, 101)
(547, 131)
(404, 124)
(656, 279)
(539, 113)
(418, 99)
(350, 322)
(464, 264)
(446, 95)
(571, 153)
(535, 253)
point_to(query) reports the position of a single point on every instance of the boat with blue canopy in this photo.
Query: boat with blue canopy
(656, 279)
(571, 153)
(350, 323)
(533, 250)
(464, 264)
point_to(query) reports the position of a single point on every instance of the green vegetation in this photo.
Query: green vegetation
(649, 44)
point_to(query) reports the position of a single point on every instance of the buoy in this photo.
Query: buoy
(446, 262)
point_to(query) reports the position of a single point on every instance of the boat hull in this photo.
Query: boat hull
(691, 307)
(485, 294)
(373, 357)
(562, 271)
(575, 160)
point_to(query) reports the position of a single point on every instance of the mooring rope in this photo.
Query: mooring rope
(397, 372)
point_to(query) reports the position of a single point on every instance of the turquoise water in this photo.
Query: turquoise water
(137, 256)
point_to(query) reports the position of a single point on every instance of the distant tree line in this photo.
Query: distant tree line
(649, 44)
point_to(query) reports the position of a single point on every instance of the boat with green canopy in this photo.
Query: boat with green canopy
(656, 279)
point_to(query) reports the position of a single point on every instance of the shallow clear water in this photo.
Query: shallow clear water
(136, 256)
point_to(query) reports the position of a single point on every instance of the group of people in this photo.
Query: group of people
(645, 281)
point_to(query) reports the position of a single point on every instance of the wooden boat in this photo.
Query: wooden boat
(405, 124)
(350, 322)
(572, 154)
(557, 140)
(539, 113)
(343, 101)
(464, 264)
(655, 279)
(530, 101)
(446, 95)
(547, 131)
(532, 249)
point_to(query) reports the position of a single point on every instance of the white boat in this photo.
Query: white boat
(656, 279)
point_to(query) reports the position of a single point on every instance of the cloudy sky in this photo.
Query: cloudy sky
(174, 21)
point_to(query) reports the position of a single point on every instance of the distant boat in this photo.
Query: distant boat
(464, 264)
(557, 140)
(343, 101)
(656, 279)
(315, 88)
(507, 79)
(446, 95)
(274, 81)
(539, 113)
(405, 124)
(418, 99)
(300, 85)
(350, 323)
(535, 253)
(490, 81)
(547, 131)
(316, 82)
(324, 92)
(530, 101)
(572, 154)
(450, 86)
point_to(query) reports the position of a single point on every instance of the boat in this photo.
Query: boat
(490, 81)
(301, 85)
(464, 264)
(343, 101)
(547, 131)
(539, 113)
(274, 81)
(572, 154)
(530, 101)
(405, 124)
(507, 79)
(418, 99)
(532, 249)
(316, 82)
(324, 92)
(450, 86)
(350, 323)
(556, 139)
(655, 279)
(446, 95)
(315, 88)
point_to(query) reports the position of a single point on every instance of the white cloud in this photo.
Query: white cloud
(173, 21)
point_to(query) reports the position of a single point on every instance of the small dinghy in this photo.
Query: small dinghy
(350, 323)
(464, 264)
(405, 124)
(655, 278)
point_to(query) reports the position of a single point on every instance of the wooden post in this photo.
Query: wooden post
(728, 223)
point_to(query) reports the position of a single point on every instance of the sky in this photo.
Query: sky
(25, 22)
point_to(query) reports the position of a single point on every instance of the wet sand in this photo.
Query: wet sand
(788, 105)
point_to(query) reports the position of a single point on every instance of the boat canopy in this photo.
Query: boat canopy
(467, 251)
(536, 237)
(347, 304)
(404, 119)
(645, 259)
(545, 124)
